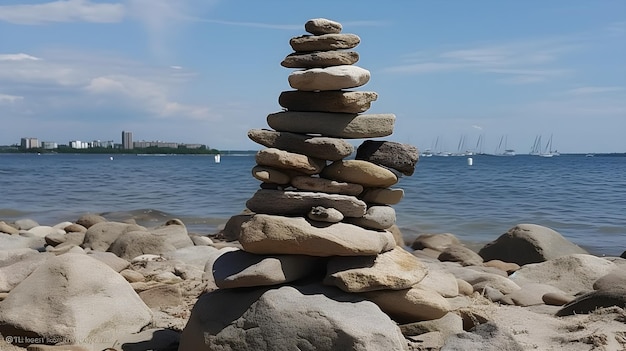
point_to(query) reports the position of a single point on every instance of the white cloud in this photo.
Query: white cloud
(593, 90)
(18, 57)
(521, 62)
(62, 11)
(151, 95)
(57, 79)
(9, 99)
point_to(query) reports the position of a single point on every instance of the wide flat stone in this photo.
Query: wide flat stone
(237, 269)
(266, 234)
(330, 78)
(320, 59)
(401, 157)
(318, 26)
(338, 125)
(324, 42)
(299, 203)
(324, 185)
(327, 101)
(323, 148)
(394, 270)
(273, 157)
(383, 196)
(360, 172)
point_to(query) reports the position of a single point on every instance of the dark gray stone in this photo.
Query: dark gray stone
(401, 157)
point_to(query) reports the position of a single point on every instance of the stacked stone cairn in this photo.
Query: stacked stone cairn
(320, 216)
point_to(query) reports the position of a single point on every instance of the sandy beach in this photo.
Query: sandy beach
(94, 291)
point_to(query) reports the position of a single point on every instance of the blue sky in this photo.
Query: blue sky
(207, 71)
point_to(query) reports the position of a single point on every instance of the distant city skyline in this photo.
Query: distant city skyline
(126, 142)
(207, 72)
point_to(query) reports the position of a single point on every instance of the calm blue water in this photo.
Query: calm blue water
(583, 198)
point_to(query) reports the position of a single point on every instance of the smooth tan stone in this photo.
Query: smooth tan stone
(322, 214)
(329, 78)
(337, 101)
(325, 185)
(324, 42)
(396, 270)
(299, 203)
(376, 217)
(410, 305)
(435, 241)
(360, 172)
(288, 160)
(338, 125)
(266, 234)
(324, 148)
(5, 228)
(320, 59)
(270, 175)
(383, 196)
(444, 283)
(319, 26)
(236, 269)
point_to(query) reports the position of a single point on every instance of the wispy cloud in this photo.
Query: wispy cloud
(18, 57)
(100, 80)
(594, 90)
(62, 11)
(153, 96)
(519, 63)
(617, 28)
(5, 98)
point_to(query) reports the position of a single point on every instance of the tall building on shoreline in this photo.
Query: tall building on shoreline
(127, 140)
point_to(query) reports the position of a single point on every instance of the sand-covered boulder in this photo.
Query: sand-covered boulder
(101, 235)
(529, 243)
(288, 318)
(572, 274)
(73, 297)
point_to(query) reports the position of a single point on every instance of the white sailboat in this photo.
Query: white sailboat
(507, 151)
(548, 152)
(536, 149)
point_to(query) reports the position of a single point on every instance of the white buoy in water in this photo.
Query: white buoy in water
(111, 158)
(470, 161)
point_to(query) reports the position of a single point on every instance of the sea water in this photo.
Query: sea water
(583, 198)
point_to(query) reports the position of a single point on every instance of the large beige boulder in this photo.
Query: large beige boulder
(268, 234)
(529, 243)
(288, 318)
(100, 235)
(73, 298)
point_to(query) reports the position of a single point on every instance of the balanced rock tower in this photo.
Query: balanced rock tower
(319, 268)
